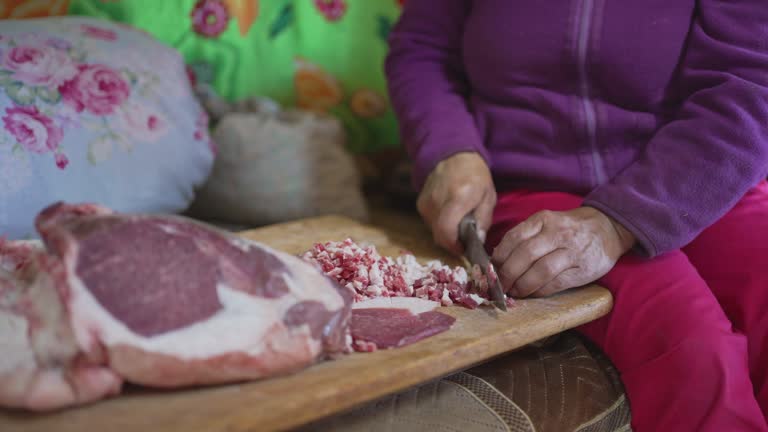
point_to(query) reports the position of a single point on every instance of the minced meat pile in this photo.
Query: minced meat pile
(361, 269)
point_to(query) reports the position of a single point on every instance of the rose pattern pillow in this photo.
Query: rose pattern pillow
(95, 111)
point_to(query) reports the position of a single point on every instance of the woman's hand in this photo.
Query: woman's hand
(458, 185)
(555, 251)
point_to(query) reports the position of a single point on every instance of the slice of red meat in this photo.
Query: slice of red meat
(381, 328)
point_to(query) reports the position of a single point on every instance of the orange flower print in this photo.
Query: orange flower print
(32, 8)
(367, 103)
(315, 89)
(245, 12)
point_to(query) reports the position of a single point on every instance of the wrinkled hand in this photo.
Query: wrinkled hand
(458, 185)
(554, 251)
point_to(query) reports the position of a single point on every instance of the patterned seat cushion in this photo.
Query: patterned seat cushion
(562, 384)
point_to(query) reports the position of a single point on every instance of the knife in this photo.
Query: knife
(474, 251)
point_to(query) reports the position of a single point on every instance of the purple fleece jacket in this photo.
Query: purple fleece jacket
(656, 111)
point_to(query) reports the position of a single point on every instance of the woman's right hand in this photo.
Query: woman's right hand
(457, 186)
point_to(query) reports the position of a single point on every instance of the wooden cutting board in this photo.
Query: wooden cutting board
(334, 386)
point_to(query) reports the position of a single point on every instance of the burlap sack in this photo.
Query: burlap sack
(275, 166)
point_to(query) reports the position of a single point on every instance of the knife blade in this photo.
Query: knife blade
(474, 251)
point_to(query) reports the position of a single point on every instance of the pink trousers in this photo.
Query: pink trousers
(689, 329)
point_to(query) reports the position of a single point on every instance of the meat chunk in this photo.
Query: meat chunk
(162, 301)
(363, 270)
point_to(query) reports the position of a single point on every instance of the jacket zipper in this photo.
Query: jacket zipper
(585, 24)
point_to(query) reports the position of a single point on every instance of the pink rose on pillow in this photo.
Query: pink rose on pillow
(97, 89)
(39, 65)
(61, 160)
(33, 130)
(141, 123)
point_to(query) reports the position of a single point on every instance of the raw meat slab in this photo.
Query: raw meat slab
(91, 314)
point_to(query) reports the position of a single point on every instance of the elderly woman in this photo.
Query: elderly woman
(620, 142)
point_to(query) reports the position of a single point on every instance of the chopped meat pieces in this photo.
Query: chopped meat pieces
(369, 275)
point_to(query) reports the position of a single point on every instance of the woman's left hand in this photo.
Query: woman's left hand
(554, 251)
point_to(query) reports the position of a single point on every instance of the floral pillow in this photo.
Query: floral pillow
(94, 111)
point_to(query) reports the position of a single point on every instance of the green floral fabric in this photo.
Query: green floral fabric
(324, 55)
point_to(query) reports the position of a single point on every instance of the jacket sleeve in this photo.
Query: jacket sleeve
(427, 85)
(714, 147)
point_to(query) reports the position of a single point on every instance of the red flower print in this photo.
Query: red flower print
(332, 10)
(98, 32)
(209, 17)
(33, 130)
(39, 65)
(61, 160)
(97, 89)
